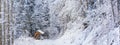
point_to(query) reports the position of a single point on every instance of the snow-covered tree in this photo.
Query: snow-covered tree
(33, 15)
(23, 10)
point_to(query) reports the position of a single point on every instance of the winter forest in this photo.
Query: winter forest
(59, 22)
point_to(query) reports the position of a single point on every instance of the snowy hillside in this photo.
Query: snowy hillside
(68, 22)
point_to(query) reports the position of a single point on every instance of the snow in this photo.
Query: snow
(70, 16)
(70, 37)
(40, 31)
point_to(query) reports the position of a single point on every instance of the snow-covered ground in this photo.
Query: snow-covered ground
(85, 23)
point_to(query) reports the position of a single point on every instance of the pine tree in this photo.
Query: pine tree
(24, 11)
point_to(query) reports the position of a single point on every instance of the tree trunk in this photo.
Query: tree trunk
(6, 22)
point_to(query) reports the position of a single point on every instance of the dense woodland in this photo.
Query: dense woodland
(65, 22)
